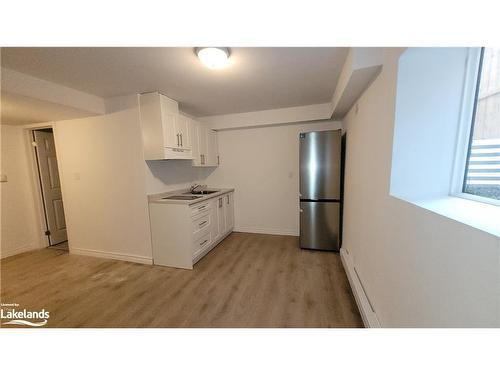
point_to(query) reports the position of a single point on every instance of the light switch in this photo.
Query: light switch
(3, 178)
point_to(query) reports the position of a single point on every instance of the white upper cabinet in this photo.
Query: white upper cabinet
(212, 148)
(165, 132)
(202, 144)
(182, 132)
(170, 135)
(195, 148)
(205, 147)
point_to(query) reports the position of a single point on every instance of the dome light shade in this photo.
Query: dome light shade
(213, 57)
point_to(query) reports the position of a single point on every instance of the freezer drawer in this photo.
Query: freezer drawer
(319, 225)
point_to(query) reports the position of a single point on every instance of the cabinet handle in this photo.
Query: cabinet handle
(220, 202)
(201, 224)
(178, 143)
(203, 243)
(202, 159)
(227, 196)
(218, 160)
(181, 139)
(201, 208)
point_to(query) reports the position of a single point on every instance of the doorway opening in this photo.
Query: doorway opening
(50, 187)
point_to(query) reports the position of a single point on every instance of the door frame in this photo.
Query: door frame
(43, 239)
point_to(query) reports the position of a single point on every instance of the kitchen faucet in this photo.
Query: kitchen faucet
(196, 186)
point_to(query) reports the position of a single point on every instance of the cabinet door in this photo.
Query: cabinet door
(202, 144)
(221, 216)
(187, 135)
(212, 152)
(229, 212)
(169, 112)
(182, 131)
(194, 135)
(170, 134)
(214, 221)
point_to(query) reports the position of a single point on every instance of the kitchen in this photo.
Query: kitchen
(209, 209)
(200, 209)
(174, 190)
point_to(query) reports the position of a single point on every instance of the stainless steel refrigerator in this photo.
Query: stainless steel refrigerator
(320, 189)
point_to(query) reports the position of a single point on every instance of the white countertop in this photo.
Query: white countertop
(158, 197)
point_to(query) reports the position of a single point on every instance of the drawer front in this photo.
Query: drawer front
(200, 208)
(201, 222)
(201, 244)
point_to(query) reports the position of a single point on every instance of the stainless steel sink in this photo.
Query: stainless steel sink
(182, 197)
(204, 192)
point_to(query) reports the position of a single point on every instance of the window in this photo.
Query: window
(482, 170)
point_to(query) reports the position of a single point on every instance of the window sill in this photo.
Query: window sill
(482, 216)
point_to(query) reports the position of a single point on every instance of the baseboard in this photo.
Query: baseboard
(111, 255)
(19, 250)
(368, 314)
(282, 232)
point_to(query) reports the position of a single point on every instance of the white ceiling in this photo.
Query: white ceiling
(257, 78)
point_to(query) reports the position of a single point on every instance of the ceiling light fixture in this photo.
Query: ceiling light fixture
(213, 57)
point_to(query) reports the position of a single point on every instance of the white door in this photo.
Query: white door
(221, 216)
(51, 187)
(229, 212)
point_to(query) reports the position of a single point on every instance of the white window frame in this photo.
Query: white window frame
(465, 128)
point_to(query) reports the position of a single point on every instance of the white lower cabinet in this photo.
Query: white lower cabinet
(182, 234)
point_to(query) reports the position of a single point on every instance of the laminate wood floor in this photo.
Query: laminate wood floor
(249, 280)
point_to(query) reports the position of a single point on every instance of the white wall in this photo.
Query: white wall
(167, 175)
(429, 97)
(18, 214)
(419, 269)
(262, 165)
(102, 174)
